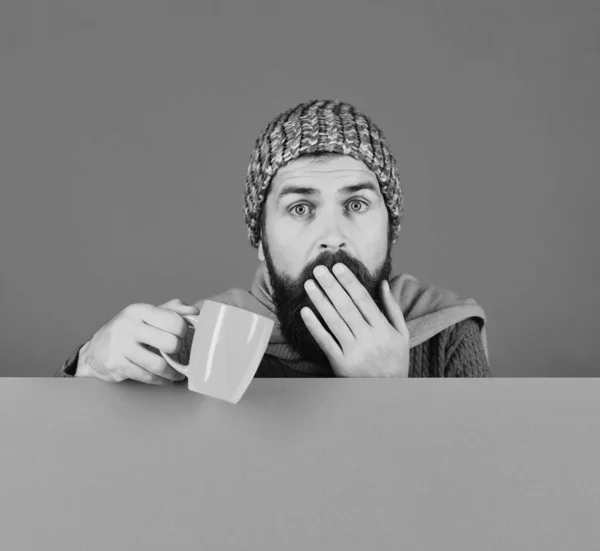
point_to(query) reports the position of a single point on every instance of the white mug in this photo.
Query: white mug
(227, 348)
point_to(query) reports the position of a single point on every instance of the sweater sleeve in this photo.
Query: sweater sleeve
(465, 353)
(69, 368)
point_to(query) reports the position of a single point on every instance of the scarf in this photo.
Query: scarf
(427, 310)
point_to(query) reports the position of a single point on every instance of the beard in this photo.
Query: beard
(289, 297)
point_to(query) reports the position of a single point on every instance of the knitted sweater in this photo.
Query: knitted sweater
(456, 351)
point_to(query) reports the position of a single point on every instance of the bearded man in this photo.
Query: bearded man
(323, 205)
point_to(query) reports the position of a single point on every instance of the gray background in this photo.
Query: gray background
(126, 129)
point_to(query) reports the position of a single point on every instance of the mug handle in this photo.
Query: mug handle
(183, 369)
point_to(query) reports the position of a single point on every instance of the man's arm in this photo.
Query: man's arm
(465, 353)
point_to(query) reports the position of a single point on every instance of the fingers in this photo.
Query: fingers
(393, 310)
(136, 373)
(325, 341)
(167, 342)
(164, 319)
(152, 363)
(347, 291)
(180, 307)
(330, 315)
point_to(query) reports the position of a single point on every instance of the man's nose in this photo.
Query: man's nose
(332, 245)
(332, 237)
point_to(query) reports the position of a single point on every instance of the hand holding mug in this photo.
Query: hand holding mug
(116, 351)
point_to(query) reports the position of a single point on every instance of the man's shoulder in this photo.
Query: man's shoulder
(468, 327)
(456, 348)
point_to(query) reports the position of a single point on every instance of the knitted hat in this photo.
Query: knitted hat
(320, 126)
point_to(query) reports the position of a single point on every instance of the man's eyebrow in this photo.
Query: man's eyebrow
(304, 190)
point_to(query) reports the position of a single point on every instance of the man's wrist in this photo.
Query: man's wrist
(83, 368)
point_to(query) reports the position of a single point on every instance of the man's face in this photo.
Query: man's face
(322, 224)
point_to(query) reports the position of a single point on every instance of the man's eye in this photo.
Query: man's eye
(303, 205)
(355, 202)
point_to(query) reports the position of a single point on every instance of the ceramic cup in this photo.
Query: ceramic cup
(227, 348)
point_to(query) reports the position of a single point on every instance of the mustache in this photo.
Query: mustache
(329, 260)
